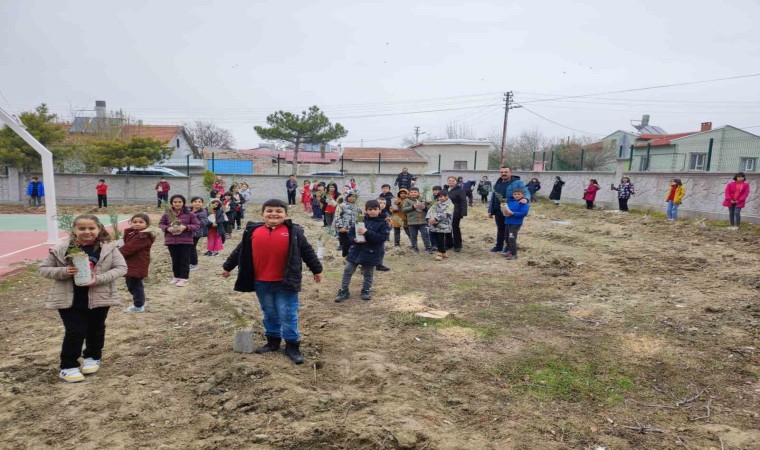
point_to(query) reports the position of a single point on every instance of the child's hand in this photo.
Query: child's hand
(524, 201)
(361, 231)
(225, 274)
(92, 282)
(317, 277)
(72, 270)
(509, 213)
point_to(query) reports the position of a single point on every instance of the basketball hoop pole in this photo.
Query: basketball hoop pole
(48, 176)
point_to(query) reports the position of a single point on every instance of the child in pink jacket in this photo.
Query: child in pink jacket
(590, 193)
(737, 192)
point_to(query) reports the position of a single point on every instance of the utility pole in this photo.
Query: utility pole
(416, 134)
(507, 107)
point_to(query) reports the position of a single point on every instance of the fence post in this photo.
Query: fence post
(212, 162)
(278, 164)
(630, 159)
(533, 161)
(649, 152)
(709, 155)
(341, 163)
(551, 166)
(439, 164)
(543, 160)
(378, 162)
(475, 166)
(187, 164)
(620, 152)
(583, 154)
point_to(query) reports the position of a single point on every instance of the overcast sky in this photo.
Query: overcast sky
(369, 65)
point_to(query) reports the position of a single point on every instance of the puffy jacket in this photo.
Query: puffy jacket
(136, 251)
(590, 194)
(398, 217)
(484, 187)
(533, 187)
(187, 219)
(345, 215)
(414, 216)
(625, 190)
(202, 231)
(220, 219)
(458, 197)
(738, 192)
(404, 180)
(442, 213)
(679, 195)
(40, 189)
(520, 210)
(108, 269)
(164, 187)
(369, 253)
(505, 189)
(299, 252)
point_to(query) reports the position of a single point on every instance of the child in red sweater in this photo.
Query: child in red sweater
(102, 190)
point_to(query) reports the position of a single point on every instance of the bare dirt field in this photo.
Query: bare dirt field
(613, 331)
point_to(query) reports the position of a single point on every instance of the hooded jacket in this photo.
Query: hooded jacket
(505, 189)
(136, 251)
(187, 219)
(590, 193)
(738, 192)
(414, 216)
(520, 210)
(398, 217)
(369, 253)
(442, 213)
(299, 252)
(679, 194)
(202, 230)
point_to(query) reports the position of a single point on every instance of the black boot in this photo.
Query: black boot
(342, 295)
(366, 295)
(292, 351)
(272, 345)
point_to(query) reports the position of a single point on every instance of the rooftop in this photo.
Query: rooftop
(386, 154)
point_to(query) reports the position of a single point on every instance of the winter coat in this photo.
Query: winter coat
(40, 189)
(442, 213)
(625, 190)
(459, 198)
(533, 187)
(101, 189)
(202, 230)
(505, 189)
(299, 252)
(345, 215)
(187, 219)
(164, 188)
(484, 187)
(136, 251)
(388, 200)
(246, 196)
(520, 210)
(398, 217)
(369, 253)
(738, 192)
(110, 267)
(679, 195)
(413, 215)
(590, 193)
(403, 180)
(220, 221)
(556, 193)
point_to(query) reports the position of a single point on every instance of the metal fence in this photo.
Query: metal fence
(728, 154)
(566, 159)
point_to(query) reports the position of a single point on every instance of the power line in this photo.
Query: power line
(559, 124)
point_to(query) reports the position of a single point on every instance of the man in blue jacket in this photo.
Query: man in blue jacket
(35, 190)
(504, 187)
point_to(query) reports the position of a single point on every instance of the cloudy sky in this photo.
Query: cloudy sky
(382, 68)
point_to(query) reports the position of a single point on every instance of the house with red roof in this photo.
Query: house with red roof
(382, 160)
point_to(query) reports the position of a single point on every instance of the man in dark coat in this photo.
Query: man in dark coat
(404, 179)
(502, 192)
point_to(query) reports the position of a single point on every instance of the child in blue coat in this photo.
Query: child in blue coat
(513, 220)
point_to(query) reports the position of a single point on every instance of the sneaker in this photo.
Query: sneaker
(457, 249)
(193, 266)
(366, 295)
(343, 295)
(382, 268)
(72, 375)
(214, 254)
(90, 366)
(430, 251)
(496, 250)
(415, 250)
(174, 281)
(134, 309)
(182, 283)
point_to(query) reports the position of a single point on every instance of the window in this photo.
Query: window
(613, 144)
(697, 161)
(748, 165)
(177, 143)
(460, 165)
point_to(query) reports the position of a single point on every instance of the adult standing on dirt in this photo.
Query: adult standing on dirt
(35, 190)
(459, 199)
(404, 179)
(162, 191)
(556, 193)
(502, 190)
(736, 195)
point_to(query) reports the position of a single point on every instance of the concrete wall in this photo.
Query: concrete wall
(704, 191)
(454, 152)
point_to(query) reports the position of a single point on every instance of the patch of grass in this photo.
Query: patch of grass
(476, 285)
(550, 374)
(408, 319)
(333, 275)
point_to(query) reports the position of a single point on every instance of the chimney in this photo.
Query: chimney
(645, 120)
(100, 108)
(706, 126)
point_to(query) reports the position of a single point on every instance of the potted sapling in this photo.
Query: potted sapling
(81, 261)
(360, 226)
(174, 222)
(502, 204)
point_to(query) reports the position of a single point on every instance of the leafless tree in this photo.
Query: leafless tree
(458, 130)
(207, 134)
(519, 149)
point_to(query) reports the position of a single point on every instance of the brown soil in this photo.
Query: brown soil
(604, 323)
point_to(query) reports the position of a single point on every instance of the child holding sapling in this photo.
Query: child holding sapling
(345, 218)
(216, 229)
(178, 224)
(514, 213)
(416, 211)
(439, 217)
(199, 209)
(83, 305)
(398, 216)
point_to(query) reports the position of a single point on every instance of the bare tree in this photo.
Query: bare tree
(519, 150)
(207, 134)
(458, 130)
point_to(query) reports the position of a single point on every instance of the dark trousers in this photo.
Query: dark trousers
(180, 254)
(498, 217)
(194, 252)
(237, 218)
(345, 243)
(35, 200)
(136, 288)
(440, 241)
(589, 204)
(533, 198)
(102, 201)
(456, 232)
(327, 219)
(623, 202)
(419, 229)
(511, 233)
(162, 197)
(734, 215)
(397, 235)
(367, 271)
(484, 198)
(469, 197)
(83, 326)
(291, 197)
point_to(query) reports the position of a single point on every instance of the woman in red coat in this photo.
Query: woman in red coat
(138, 239)
(737, 192)
(590, 193)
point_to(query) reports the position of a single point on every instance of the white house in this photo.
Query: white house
(454, 154)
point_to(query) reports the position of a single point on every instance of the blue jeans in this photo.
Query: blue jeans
(280, 308)
(672, 210)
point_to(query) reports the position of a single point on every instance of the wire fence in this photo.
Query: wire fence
(726, 154)
(566, 159)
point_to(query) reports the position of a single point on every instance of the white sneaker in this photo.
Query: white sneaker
(90, 366)
(135, 309)
(72, 375)
(181, 283)
(174, 281)
(193, 266)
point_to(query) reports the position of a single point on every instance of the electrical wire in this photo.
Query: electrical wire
(559, 124)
